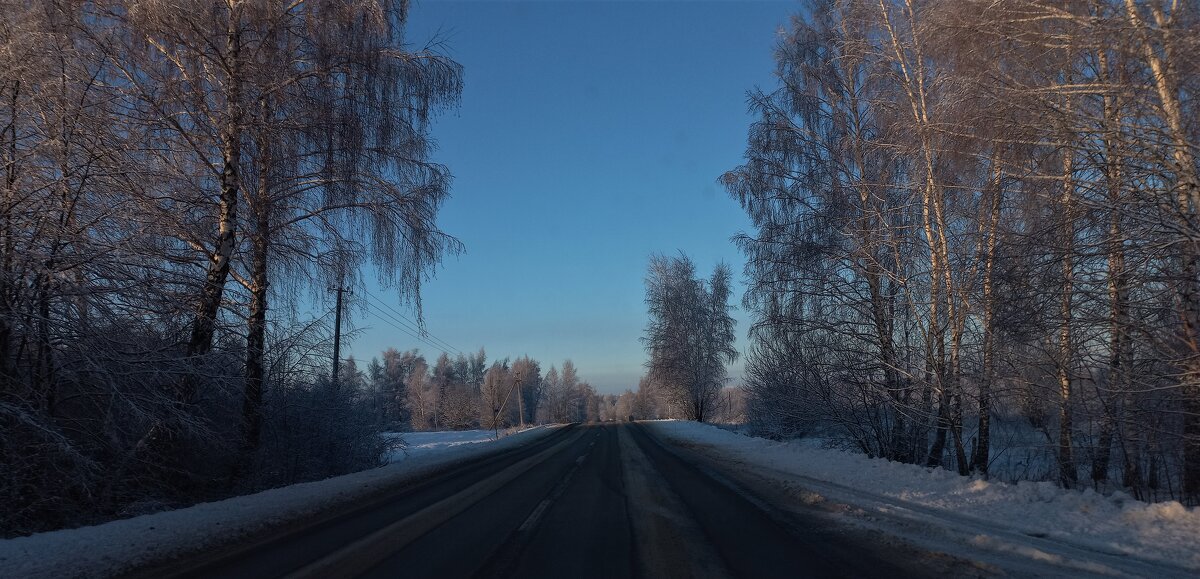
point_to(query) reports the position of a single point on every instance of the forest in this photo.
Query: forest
(177, 186)
(410, 394)
(974, 220)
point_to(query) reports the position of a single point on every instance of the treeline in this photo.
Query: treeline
(176, 180)
(654, 400)
(978, 212)
(410, 394)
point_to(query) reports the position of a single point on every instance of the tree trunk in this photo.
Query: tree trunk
(1190, 299)
(7, 245)
(1187, 198)
(209, 305)
(943, 425)
(982, 452)
(1118, 290)
(941, 286)
(1066, 461)
(43, 368)
(256, 329)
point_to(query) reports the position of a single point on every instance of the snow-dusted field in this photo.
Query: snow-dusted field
(1027, 527)
(118, 547)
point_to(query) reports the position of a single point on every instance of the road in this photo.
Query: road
(585, 501)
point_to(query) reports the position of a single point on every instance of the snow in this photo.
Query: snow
(1037, 522)
(415, 444)
(118, 547)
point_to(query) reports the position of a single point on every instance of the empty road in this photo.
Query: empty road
(585, 501)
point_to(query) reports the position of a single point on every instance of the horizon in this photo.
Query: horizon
(567, 281)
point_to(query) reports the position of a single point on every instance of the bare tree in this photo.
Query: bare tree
(528, 375)
(690, 334)
(991, 202)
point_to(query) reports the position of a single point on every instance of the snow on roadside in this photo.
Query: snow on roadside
(119, 547)
(1115, 526)
(421, 443)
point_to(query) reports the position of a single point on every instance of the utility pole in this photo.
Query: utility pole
(337, 338)
(520, 407)
(520, 403)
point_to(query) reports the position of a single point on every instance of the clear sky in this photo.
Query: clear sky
(591, 135)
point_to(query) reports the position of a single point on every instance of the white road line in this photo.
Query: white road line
(535, 515)
(559, 489)
(355, 558)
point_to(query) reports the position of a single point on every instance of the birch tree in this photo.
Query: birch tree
(690, 333)
(1001, 193)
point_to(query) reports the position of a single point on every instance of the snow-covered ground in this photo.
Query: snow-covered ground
(415, 444)
(1030, 528)
(118, 547)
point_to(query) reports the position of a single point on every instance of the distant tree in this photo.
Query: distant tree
(623, 409)
(528, 373)
(568, 409)
(551, 393)
(461, 369)
(398, 369)
(459, 407)
(442, 378)
(590, 403)
(498, 401)
(690, 333)
(646, 403)
(475, 369)
(422, 396)
(570, 376)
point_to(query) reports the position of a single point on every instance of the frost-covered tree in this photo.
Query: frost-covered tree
(690, 333)
(528, 375)
(977, 214)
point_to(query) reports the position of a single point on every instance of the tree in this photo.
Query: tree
(150, 155)
(528, 375)
(398, 367)
(690, 334)
(423, 396)
(552, 393)
(498, 397)
(567, 409)
(979, 203)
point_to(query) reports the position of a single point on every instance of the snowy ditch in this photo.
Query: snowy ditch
(122, 546)
(1079, 530)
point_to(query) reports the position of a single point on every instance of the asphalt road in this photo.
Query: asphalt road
(586, 501)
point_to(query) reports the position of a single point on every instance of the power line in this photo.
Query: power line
(413, 333)
(414, 325)
(427, 337)
(395, 325)
(392, 324)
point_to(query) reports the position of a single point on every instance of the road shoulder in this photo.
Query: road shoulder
(953, 543)
(659, 519)
(798, 507)
(149, 544)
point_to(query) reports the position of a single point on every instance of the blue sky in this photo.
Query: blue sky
(590, 135)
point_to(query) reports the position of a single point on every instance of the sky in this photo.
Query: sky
(590, 136)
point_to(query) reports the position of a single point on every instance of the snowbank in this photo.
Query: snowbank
(122, 546)
(421, 443)
(1002, 513)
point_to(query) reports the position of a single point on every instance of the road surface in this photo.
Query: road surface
(585, 501)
